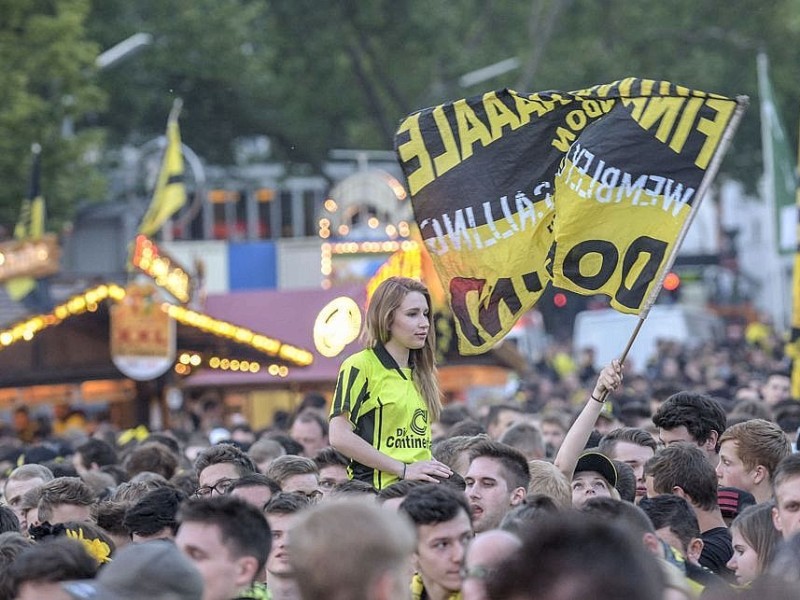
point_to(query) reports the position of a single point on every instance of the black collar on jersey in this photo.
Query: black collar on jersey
(387, 360)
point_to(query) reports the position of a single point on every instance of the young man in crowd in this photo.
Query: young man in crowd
(65, 499)
(92, 455)
(296, 474)
(692, 417)
(255, 488)
(441, 517)
(748, 455)
(786, 486)
(497, 481)
(310, 430)
(776, 388)
(217, 466)
(282, 512)
(351, 549)
(633, 447)
(228, 540)
(682, 468)
(332, 466)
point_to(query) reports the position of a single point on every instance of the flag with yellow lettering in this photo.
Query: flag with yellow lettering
(29, 226)
(170, 192)
(511, 190)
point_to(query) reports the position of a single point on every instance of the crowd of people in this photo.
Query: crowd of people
(674, 480)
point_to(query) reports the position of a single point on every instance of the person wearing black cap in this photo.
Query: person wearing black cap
(591, 473)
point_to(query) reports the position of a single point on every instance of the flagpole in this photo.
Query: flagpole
(709, 176)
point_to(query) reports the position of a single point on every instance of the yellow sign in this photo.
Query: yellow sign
(29, 258)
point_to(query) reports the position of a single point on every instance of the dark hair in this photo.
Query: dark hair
(8, 520)
(155, 511)
(243, 528)
(153, 457)
(255, 480)
(312, 416)
(290, 445)
(110, 516)
(580, 552)
(433, 503)
(225, 453)
(60, 559)
(626, 481)
(669, 510)
(535, 507)
(166, 440)
(96, 451)
(398, 489)
(632, 435)
(788, 468)
(699, 413)
(11, 545)
(467, 427)
(515, 465)
(625, 515)
(354, 487)
(684, 465)
(496, 409)
(286, 503)
(330, 457)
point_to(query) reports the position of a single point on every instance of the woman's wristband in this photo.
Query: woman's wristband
(403, 476)
(596, 399)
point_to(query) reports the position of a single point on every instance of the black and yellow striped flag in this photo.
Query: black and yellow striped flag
(170, 192)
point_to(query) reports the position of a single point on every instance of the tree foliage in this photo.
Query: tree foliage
(314, 76)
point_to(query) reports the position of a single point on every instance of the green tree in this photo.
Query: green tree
(48, 97)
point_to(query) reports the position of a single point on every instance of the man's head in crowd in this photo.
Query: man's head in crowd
(255, 488)
(575, 556)
(92, 455)
(65, 499)
(500, 418)
(786, 487)
(526, 438)
(554, 427)
(310, 430)
(371, 546)
(228, 541)
(154, 517)
(38, 570)
(692, 417)
(679, 469)
(547, 480)
(151, 457)
(777, 388)
(497, 480)
(21, 480)
(454, 451)
(441, 517)
(332, 466)
(281, 512)
(218, 465)
(675, 523)
(631, 446)
(749, 453)
(296, 474)
(484, 554)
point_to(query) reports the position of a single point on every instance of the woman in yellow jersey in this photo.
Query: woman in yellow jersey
(387, 395)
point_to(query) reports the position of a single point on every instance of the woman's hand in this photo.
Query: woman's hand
(610, 379)
(427, 470)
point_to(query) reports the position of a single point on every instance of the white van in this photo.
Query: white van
(608, 332)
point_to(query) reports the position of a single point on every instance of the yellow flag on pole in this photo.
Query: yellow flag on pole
(170, 192)
(30, 226)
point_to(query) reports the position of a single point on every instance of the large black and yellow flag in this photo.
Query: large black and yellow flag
(170, 191)
(610, 173)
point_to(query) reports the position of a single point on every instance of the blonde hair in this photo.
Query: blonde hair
(388, 297)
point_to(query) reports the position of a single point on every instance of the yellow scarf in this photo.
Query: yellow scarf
(418, 590)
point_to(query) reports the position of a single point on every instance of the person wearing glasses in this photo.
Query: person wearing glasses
(296, 474)
(387, 395)
(218, 466)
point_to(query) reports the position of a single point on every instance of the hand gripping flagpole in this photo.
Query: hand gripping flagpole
(741, 105)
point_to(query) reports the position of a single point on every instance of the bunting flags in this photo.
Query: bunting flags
(593, 188)
(30, 226)
(170, 192)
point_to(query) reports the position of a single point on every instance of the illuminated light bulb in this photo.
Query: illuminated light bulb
(195, 360)
(214, 362)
